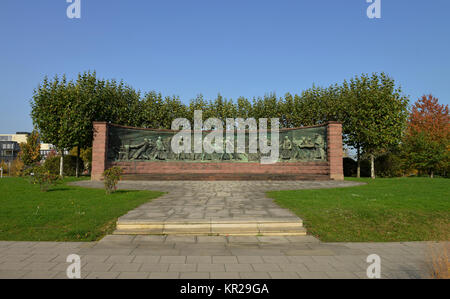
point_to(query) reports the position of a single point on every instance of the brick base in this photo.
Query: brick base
(223, 171)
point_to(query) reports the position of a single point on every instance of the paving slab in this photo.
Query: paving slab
(212, 207)
(146, 267)
(133, 275)
(126, 267)
(254, 275)
(204, 262)
(102, 275)
(194, 275)
(182, 267)
(164, 275)
(284, 275)
(224, 275)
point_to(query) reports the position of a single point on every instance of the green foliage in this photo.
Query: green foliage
(374, 113)
(64, 111)
(41, 176)
(111, 178)
(52, 164)
(315, 106)
(426, 154)
(391, 164)
(49, 110)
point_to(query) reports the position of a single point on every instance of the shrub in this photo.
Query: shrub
(112, 177)
(45, 179)
(86, 156)
(17, 168)
(4, 166)
(53, 153)
(51, 164)
(390, 165)
(349, 167)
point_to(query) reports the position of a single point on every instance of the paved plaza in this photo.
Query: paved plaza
(210, 257)
(214, 200)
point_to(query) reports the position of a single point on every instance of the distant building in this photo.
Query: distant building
(46, 149)
(10, 145)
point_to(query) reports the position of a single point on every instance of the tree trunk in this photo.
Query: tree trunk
(61, 164)
(432, 174)
(358, 160)
(372, 166)
(78, 160)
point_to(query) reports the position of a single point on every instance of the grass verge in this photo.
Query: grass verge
(384, 210)
(64, 213)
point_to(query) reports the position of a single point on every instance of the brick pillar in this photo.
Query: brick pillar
(99, 150)
(335, 151)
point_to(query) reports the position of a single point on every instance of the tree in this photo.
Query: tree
(317, 105)
(374, 114)
(425, 154)
(199, 103)
(268, 107)
(244, 108)
(30, 151)
(428, 116)
(92, 99)
(158, 112)
(64, 111)
(151, 113)
(172, 109)
(48, 111)
(428, 134)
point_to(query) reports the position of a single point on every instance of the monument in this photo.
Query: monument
(313, 153)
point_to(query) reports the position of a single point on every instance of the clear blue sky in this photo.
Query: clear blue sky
(233, 47)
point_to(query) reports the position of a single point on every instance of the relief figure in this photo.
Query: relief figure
(141, 150)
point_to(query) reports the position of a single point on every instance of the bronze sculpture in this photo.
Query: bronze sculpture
(307, 144)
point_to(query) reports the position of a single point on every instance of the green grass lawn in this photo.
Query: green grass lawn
(64, 213)
(401, 209)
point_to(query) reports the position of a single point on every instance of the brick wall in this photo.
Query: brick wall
(332, 169)
(99, 147)
(335, 151)
(223, 171)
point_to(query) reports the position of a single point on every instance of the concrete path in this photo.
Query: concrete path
(214, 257)
(214, 207)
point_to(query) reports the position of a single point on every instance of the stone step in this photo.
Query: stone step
(298, 232)
(222, 228)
